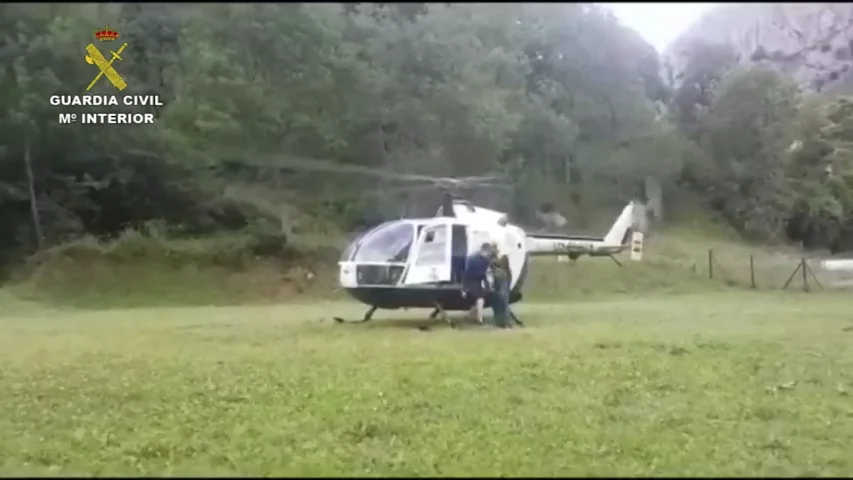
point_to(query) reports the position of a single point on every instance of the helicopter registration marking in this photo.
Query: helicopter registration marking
(568, 246)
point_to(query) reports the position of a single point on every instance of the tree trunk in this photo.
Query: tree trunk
(31, 187)
(575, 180)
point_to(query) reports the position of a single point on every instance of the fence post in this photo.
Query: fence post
(752, 270)
(711, 263)
(805, 274)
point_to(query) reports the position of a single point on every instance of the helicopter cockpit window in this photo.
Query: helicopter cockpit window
(389, 244)
(347, 253)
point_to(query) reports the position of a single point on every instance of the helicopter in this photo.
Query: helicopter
(419, 262)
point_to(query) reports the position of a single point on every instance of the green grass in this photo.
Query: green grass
(712, 384)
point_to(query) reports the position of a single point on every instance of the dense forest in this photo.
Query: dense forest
(272, 112)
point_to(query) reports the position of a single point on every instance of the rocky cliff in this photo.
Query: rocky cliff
(812, 42)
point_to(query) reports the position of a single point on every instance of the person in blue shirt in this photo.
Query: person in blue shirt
(474, 281)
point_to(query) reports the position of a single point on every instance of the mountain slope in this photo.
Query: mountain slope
(811, 42)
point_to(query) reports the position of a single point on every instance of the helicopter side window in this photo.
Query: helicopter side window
(432, 250)
(389, 244)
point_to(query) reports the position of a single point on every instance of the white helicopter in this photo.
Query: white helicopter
(419, 262)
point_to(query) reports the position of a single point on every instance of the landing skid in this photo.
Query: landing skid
(367, 317)
(438, 312)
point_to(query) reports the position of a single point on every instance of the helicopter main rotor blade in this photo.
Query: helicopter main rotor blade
(288, 162)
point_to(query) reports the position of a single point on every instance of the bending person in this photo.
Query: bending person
(500, 296)
(503, 280)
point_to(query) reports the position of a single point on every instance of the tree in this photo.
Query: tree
(821, 173)
(747, 131)
(559, 96)
(705, 65)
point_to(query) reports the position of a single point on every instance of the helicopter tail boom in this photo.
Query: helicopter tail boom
(616, 240)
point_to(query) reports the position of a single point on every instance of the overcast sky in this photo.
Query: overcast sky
(659, 23)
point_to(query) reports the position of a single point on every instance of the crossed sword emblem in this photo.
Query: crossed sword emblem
(105, 67)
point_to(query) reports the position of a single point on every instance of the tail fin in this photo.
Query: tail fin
(620, 228)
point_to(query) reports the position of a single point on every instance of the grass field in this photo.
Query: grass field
(716, 384)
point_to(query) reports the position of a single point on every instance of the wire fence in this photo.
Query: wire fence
(779, 272)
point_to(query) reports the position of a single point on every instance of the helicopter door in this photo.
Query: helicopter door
(431, 256)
